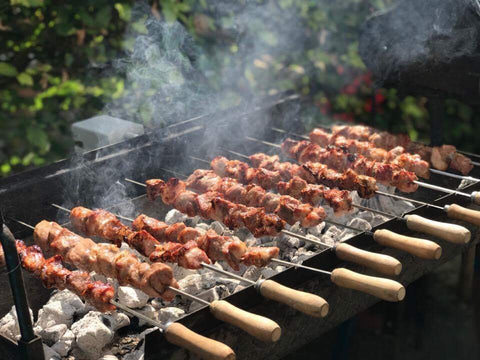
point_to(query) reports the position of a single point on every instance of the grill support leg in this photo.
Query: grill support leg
(467, 269)
(30, 346)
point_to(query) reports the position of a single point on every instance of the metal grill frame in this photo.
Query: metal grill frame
(27, 196)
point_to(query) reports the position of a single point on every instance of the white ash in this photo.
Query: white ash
(217, 227)
(388, 204)
(196, 283)
(301, 255)
(464, 183)
(175, 216)
(132, 297)
(252, 273)
(95, 330)
(53, 334)
(64, 343)
(50, 354)
(108, 357)
(216, 293)
(9, 324)
(170, 314)
(202, 226)
(149, 311)
(180, 272)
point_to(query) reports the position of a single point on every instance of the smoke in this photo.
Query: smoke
(414, 33)
(172, 76)
(242, 53)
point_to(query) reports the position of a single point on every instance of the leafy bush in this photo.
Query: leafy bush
(59, 64)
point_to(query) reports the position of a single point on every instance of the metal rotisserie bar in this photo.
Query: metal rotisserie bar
(94, 179)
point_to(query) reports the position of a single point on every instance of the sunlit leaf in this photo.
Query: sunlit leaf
(25, 79)
(7, 69)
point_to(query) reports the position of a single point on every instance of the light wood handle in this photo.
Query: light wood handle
(450, 232)
(258, 326)
(458, 212)
(476, 197)
(422, 248)
(202, 346)
(307, 303)
(385, 289)
(384, 264)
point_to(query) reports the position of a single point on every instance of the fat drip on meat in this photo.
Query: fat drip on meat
(387, 174)
(212, 205)
(105, 259)
(54, 274)
(294, 186)
(440, 157)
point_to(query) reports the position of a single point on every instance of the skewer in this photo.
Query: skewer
(453, 211)
(382, 263)
(177, 333)
(449, 232)
(385, 289)
(305, 302)
(258, 326)
(444, 173)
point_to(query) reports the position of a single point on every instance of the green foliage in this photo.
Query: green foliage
(55, 59)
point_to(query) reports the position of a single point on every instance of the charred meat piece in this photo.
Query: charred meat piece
(440, 158)
(370, 151)
(335, 158)
(107, 226)
(54, 274)
(286, 207)
(213, 205)
(105, 259)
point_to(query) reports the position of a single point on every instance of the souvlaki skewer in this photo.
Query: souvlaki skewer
(270, 171)
(101, 222)
(385, 289)
(53, 273)
(453, 211)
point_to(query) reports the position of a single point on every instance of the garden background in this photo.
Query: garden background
(62, 62)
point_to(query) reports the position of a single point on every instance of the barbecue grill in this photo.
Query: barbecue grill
(96, 179)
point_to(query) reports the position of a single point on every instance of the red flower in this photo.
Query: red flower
(368, 105)
(379, 97)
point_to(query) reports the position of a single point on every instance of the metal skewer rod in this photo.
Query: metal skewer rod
(175, 290)
(258, 326)
(177, 333)
(329, 129)
(385, 289)
(382, 263)
(308, 303)
(460, 177)
(432, 170)
(317, 242)
(443, 189)
(474, 196)
(449, 232)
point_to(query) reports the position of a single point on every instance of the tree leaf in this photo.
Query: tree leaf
(7, 70)
(25, 79)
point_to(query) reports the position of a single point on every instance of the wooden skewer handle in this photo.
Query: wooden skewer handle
(458, 212)
(202, 346)
(307, 303)
(384, 264)
(258, 326)
(476, 197)
(450, 232)
(422, 248)
(385, 289)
